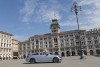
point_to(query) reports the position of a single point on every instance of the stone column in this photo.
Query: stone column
(87, 48)
(64, 47)
(53, 45)
(59, 46)
(70, 50)
(93, 46)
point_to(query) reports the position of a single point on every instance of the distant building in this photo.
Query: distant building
(63, 43)
(93, 41)
(24, 49)
(15, 44)
(5, 46)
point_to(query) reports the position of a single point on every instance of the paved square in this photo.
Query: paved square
(73, 61)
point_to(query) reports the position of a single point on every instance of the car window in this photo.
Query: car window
(35, 54)
(44, 53)
(41, 54)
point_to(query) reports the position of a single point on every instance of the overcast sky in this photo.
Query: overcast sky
(25, 18)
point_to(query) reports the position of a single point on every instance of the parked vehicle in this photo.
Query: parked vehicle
(45, 57)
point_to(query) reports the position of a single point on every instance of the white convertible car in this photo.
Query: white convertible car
(32, 58)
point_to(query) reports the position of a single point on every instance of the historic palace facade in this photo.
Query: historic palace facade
(63, 43)
(5, 46)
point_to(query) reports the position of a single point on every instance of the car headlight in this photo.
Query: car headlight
(60, 57)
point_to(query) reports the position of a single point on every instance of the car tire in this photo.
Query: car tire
(32, 60)
(55, 60)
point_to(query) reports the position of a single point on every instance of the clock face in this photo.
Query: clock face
(54, 28)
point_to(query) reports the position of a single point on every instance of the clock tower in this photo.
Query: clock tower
(55, 27)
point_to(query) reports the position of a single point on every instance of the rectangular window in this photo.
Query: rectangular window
(45, 38)
(95, 37)
(89, 42)
(1, 44)
(89, 38)
(49, 37)
(32, 39)
(61, 36)
(4, 44)
(66, 35)
(96, 42)
(41, 38)
(71, 35)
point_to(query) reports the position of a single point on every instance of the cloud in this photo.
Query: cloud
(48, 15)
(28, 10)
(92, 13)
(40, 10)
(20, 37)
(68, 23)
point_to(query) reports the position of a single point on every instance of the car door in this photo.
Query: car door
(39, 58)
(46, 58)
(49, 58)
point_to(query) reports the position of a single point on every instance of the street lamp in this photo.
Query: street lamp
(77, 8)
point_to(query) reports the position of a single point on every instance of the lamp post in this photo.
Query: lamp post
(77, 8)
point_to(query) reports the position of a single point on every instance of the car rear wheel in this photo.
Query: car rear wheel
(55, 60)
(32, 60)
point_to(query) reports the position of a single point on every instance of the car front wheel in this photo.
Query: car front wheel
(55, 60)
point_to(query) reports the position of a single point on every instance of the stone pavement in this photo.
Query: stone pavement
(72, 61)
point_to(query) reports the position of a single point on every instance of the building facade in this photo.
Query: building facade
(15, 44)
(64, 43)
(24, 49)
(5, 46)
(93, 41)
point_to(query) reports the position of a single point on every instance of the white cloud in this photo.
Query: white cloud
(28, 10)
(86, 2)
(20, 38)
(40, 10)
(67, 23)
(48, 15)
